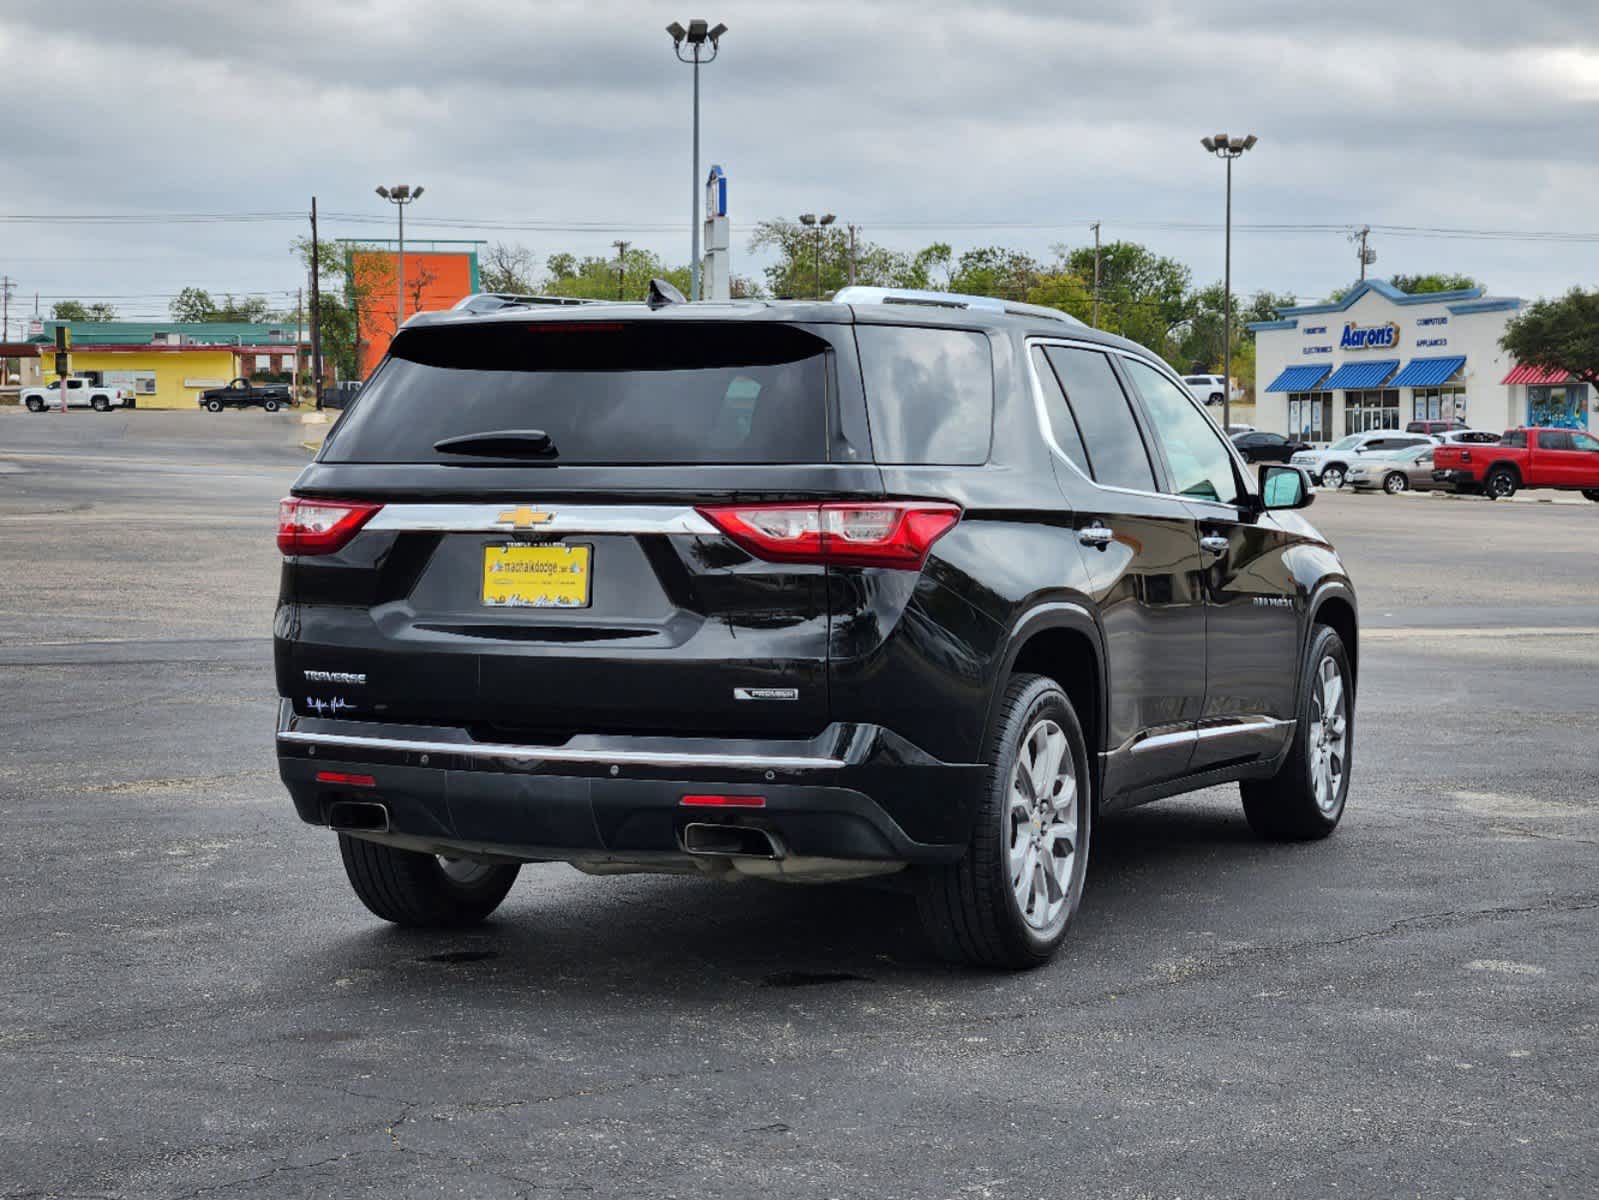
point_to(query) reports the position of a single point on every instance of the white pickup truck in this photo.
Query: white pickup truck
(81, 393)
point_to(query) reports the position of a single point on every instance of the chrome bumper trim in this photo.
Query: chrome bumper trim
(562, 518)
(641, 758)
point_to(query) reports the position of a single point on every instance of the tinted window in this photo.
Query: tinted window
(604, 392)
(929, 393)
(1584, 441)
(1061, 422)
(1554, 439)
(1515, 438)
(1115, 448)
(1199, 462)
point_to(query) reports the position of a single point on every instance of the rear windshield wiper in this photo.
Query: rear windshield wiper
(500, 443)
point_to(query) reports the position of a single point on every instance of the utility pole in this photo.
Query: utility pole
(299, 300)
(316, 312)
(1367, 257)
(621, 266)
(852, 231)
(1096, 274)
(6, 284)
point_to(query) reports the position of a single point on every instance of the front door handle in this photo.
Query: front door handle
(1214, 542)
(1095, 535)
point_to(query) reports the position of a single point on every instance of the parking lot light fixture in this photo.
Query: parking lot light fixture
(696, 35)
(400, 195)
(1228, 148)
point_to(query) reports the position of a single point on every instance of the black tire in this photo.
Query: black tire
(1501, 484)
(1285, 807)
(1332, 476)
(213, 406)
(100, 404)
(414, 889)
(970, 909)
(270, 405)
(35, 404)
(1592, 494)
(1395, 482)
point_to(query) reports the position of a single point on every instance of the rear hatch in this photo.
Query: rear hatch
(542, 519)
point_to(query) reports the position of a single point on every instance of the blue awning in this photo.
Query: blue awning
(1356, 376)
(1427, 372)
(1299, 379)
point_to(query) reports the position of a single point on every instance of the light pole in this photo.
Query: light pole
(696, 35)
(1228, 148)
(812, 221)
(400, 195)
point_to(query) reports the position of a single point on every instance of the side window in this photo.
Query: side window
(1552, 439)
(929, 393)
(1516, 439)
(1061, 422)
(1200, 465)
(1584, 441)
(1115, 447)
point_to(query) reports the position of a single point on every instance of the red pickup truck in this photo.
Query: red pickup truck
(1567, 459)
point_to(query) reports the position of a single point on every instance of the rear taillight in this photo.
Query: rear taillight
(319, 526)
(894, 534)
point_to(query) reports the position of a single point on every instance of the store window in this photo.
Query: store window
(1310, 416)
(1365, 411)
(1438, 404)
(1564, 406)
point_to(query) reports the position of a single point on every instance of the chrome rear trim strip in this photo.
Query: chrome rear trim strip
(642, 758)
(565, 518)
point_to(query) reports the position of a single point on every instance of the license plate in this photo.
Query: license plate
(520, 576)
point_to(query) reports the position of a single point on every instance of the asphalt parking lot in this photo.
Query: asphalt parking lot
(197, 1006)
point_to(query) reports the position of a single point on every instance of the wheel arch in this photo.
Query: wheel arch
(1062, 640)
(1333, 604)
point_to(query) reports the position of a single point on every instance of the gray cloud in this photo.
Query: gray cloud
(1474, 113)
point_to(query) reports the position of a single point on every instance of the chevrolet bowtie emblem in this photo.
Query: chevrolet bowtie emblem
(524, 518)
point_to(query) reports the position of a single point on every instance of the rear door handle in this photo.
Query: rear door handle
(1214, 543)
(1095, 535)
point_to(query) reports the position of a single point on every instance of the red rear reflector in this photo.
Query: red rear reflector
(344, 779)
(719, 801)
(319, 526)
(895, 534)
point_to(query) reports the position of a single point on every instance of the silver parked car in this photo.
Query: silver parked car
(1395, 471)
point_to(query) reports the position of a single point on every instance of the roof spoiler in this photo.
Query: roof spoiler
(487, 302)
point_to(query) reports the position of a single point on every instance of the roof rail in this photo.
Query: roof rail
(485, 302)
(913, 296)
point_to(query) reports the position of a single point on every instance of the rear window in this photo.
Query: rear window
(929, 394)
(603, 392)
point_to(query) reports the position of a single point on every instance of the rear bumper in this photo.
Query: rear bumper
(854, 792)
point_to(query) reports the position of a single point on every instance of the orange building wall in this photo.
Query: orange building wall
(433, 280)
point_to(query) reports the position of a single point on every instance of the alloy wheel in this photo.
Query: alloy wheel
(1329, 728)
(1041, 825)
(1395, 484)
(1332, 478)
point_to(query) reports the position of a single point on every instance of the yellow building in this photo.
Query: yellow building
(158, 377)
(166, 364)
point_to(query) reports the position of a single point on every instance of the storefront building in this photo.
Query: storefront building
(168, 364)
(1380, 358)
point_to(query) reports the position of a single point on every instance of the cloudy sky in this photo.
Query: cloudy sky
(1015, 123)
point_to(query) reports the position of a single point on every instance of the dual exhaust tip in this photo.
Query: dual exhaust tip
(699, 837)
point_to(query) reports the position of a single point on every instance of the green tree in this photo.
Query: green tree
(193, 305)
(996, 271)
(1437, 281)
(801, 249)
(1142, 295)
(76, 310)
(340, 294)
(1064, 291)
(596, 278)
(1558, 335)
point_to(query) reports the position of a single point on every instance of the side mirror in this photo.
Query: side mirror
(1285, 487)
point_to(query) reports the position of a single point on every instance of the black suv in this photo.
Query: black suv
(901, 583)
